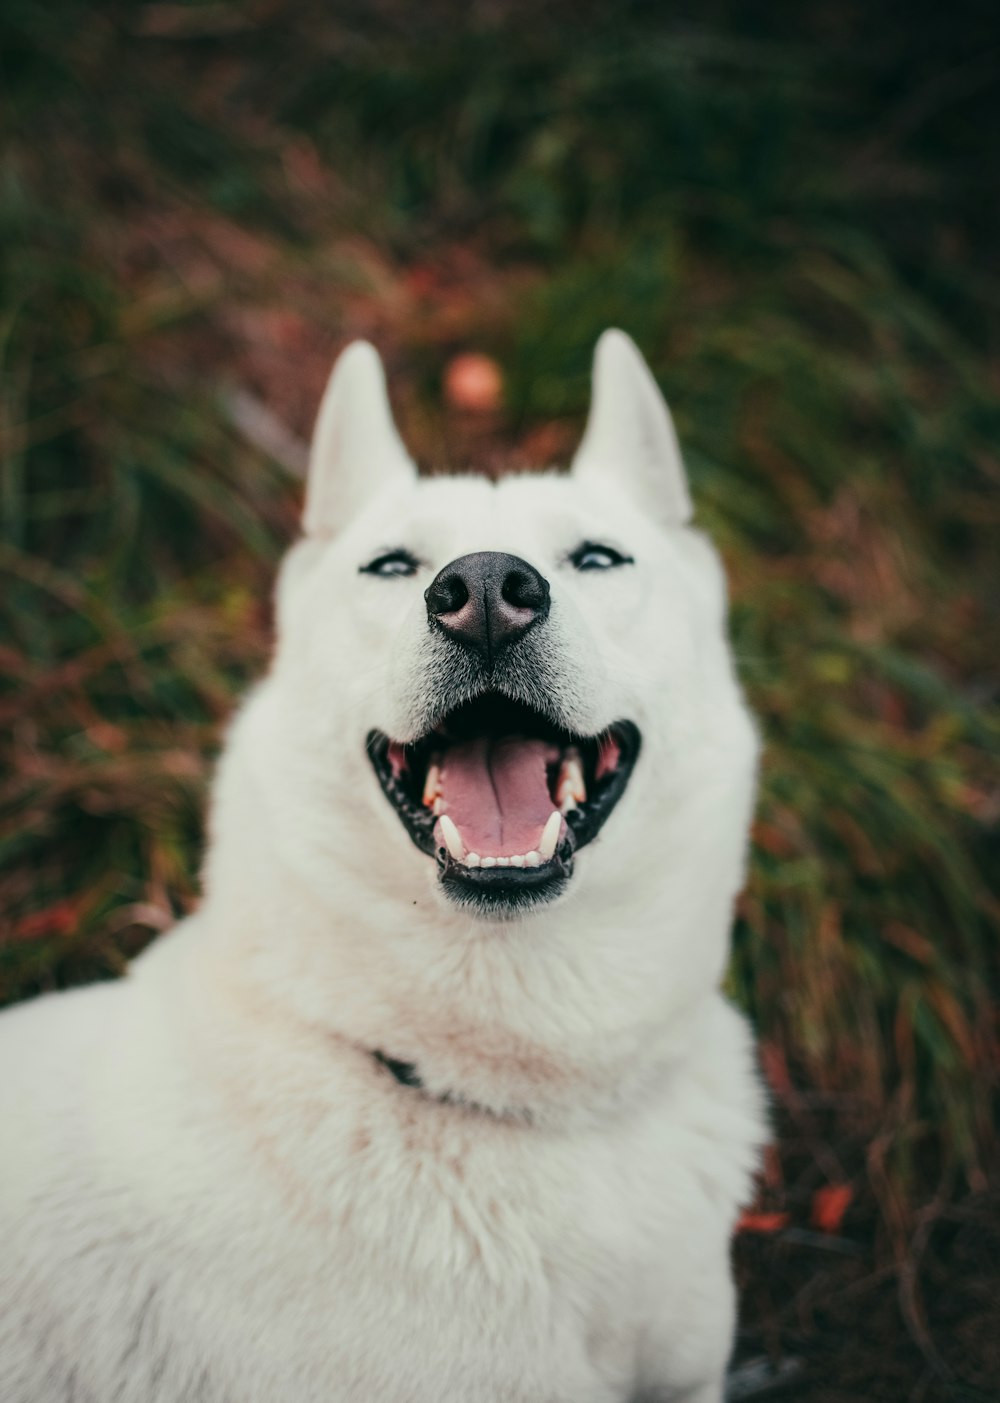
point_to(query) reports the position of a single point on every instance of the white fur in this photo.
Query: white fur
(209, 1190)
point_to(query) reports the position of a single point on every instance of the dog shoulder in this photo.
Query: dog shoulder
(83, 1265)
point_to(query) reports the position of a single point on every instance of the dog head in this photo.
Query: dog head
(476, 681)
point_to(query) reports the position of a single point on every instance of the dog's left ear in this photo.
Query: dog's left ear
(356, 450)
(630, 440)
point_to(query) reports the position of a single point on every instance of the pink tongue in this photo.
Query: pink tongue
(496, 792)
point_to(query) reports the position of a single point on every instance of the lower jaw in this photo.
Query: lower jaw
(506, 893)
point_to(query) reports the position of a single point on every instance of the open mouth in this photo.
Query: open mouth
(503, 798)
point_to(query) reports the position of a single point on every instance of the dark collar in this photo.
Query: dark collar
(406, 1074)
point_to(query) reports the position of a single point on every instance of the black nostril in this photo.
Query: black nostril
(446, 593)
(525, 589)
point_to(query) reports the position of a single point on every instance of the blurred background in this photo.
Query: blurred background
(795, 211)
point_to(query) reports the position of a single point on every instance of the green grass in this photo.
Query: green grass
(792, 214)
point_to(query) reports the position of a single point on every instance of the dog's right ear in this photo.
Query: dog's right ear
(356, 450)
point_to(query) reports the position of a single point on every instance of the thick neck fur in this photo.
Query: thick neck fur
(560, 1016)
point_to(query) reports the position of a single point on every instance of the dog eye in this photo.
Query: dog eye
(393, 562)
(590, 556)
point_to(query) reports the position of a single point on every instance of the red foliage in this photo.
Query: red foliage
(59, 919)
(829, 1205)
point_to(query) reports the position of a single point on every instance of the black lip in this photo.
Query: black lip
(501, 891)
(505, 891)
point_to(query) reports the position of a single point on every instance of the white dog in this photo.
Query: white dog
(435, 1099)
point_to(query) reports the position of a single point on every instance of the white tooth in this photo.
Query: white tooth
(517, 862)
(532, 859)
(452, 838)
(432, 785)
(503, 861)
(550, 835)
(472, 859)
(487, 862)
(438, 807)
(571, 784)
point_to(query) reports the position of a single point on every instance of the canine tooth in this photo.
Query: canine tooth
(438, 807)
(487, 862)
(432, 785)
(503, 861)
(517, 862)
(550, 835)
(532, 859)
(452, 838)
(472, 859)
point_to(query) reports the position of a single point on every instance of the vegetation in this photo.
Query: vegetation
(791, 209)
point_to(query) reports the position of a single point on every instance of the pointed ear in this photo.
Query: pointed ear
(356, 450)
(629, 439)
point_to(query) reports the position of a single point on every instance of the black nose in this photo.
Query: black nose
(486, 600)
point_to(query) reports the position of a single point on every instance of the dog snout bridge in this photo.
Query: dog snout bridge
(487, 600)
